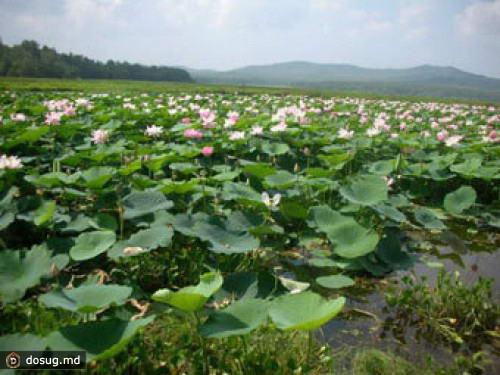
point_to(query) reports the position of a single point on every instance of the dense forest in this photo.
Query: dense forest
(28, 59)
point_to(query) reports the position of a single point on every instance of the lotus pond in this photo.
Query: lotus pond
(141, 228)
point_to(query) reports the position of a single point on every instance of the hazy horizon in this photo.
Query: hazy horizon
(230, 34)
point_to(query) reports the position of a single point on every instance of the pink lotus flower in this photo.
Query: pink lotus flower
(53, 118)
(207, 151)
(207, 115)
(18, 117)
(186, 120)
(192, 133)
(441, 136)
(257, 130)
(345, 134)
(69, 111)
(453, 141)
(234, 136)
(100, 136)
(10, 162)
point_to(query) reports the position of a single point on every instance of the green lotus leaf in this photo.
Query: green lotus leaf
(390, 251)
(100, 340)
(6, 218)
(179, 187)
(335, 281)
(19, 274)
(322, 262)
(226, 176)
(234, 190)
(87, 298)
(243, 285)
(18, 342)
(223, 240)
(147, 239)
(382, 167)
(259, 170)
(390, 212)
(97, 177)
(293, 210)
(191, 298)
(366, 190)
(44, 213)
(273, 148)
(428, 219)
(460, 200)
(468, 168)
(303, 311)
(89, 245)
(240, 318)
(282, 179)
(141, 203)
(336, 161)
(350, 239)
(30, 135)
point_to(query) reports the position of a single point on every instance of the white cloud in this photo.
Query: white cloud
(480, 19)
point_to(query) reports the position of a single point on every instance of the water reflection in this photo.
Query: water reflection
(474, 255)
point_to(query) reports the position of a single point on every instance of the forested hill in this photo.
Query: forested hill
(28, 59)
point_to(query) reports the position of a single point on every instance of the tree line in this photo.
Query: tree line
(28, 59)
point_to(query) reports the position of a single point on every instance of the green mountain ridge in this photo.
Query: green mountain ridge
(423, 80)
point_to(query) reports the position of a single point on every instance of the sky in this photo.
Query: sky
(227, 34)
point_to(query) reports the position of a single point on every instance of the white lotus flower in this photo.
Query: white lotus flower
(153, 131)
(271, 202)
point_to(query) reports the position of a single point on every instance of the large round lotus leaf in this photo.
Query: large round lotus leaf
(100, 340)
(19, 342)
(87, 298)
(366, 190)
(428, 219)
(88, 245)
(275, 148)
(460, 200)
(141, 203)
(322, 262)
(292, 285)
(468, 168)
(259, 170)
(239, 318)
(245, 285)
(390, 212)
(335, 281)
(96, 177)
(293, 210)
(382, 167)
(147, 239)
(282, 179)
(191, 298)
(350, 239)
(390, 251)
(234, 190)
(18, 274)
(225, 241)
(304, 311)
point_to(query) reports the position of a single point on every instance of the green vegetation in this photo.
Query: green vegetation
(172, 231)
(450, 311)
(129, 86)
(28, 59)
